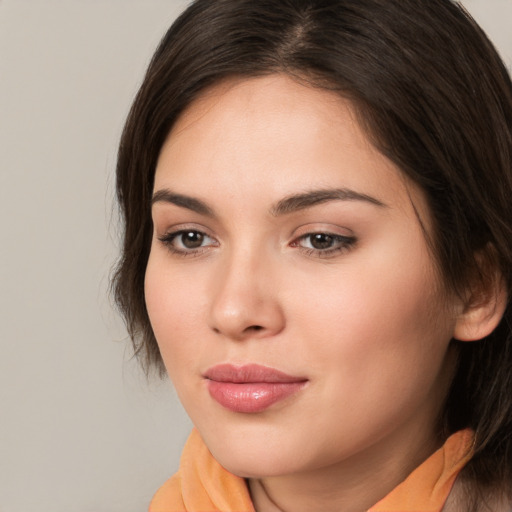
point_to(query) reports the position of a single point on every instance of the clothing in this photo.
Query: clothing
(203, 485)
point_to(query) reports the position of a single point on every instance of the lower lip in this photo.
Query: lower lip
(251, 397)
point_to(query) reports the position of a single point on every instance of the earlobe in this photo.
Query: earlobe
(480, 317)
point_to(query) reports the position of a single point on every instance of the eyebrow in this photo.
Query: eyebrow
(305, 200)
(191, 203)
(289, 204)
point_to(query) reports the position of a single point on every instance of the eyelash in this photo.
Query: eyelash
(169, 238)
(342, 243)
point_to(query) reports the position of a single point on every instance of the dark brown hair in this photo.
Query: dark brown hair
(434, 97)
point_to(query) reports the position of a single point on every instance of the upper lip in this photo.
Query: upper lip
(249, 373)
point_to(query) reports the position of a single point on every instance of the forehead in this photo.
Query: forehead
(244, 97)
(291, 108)
(273, 135)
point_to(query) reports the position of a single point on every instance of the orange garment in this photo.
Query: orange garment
(203, 485)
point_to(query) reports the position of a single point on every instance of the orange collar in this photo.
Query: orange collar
(428, 486)
(203, 485)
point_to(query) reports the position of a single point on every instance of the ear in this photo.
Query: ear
(482, 313)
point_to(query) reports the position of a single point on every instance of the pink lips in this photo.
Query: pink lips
(250, 388)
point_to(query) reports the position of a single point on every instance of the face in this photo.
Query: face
(289, 284)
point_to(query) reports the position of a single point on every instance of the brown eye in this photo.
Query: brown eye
(324, 245)
(321, 241)
(187, 241)
(191, 239)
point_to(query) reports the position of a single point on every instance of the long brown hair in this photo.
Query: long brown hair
(434, 97)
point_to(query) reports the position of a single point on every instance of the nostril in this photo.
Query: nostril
(247, 330)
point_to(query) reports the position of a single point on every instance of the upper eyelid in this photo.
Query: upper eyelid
(322, 227)
(167, 228)
(344, 238)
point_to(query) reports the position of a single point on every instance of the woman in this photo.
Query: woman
(318, 228)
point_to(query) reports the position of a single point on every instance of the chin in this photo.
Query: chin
(262, 463)
(257, 452)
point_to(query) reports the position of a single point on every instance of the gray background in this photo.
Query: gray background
(80, 428)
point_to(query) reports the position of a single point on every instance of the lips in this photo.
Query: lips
(250, 388)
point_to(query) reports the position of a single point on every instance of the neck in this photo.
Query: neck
(353, 485)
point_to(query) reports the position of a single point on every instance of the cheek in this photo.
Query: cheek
(379, 323)
(174, 304)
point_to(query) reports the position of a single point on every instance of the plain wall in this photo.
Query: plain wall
(80, 428)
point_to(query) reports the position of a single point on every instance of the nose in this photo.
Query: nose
(245, 300)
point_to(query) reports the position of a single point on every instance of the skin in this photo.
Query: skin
(366, 321)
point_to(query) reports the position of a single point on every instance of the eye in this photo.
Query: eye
(187, 241)
(324, 244)
(320, 241)
(190, 239)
